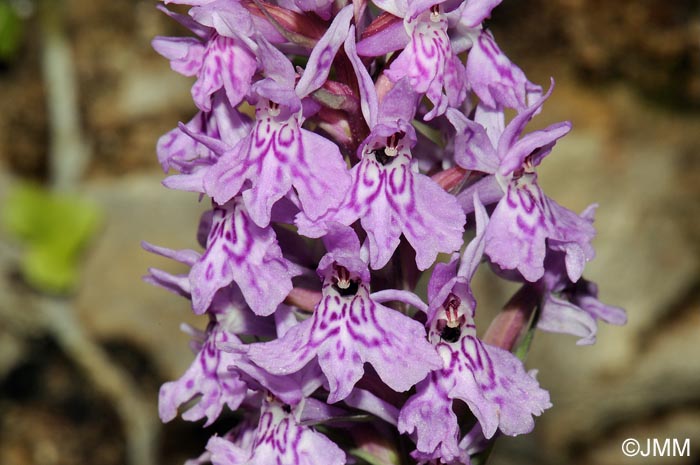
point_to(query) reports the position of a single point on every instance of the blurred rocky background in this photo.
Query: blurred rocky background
(79, 375)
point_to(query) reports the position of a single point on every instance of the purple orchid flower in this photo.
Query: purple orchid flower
(490, 380)
(525, 220)
(208, 377)
(220, 56)
(240, 251)
(278, 439)
(573, 307)
(237, 250)
(387, 195)
(278, 154)
(431, 40)
(349, 328)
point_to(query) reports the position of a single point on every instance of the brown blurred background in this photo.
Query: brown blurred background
(79, 375)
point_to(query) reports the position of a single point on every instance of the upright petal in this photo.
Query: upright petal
(323, 53)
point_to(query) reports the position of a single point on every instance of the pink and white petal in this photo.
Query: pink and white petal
(224, 452)
(383, 230)
(342, 364)
(225, 178)
(239, 67)
(271, 184)
(515, 236)
(516, 392)
(208, 377)
(432, 220)
(288, 354)
(321, 177)
(428, 415)
(397, 348)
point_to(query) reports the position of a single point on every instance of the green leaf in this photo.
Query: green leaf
(10, 31)
(54, 228)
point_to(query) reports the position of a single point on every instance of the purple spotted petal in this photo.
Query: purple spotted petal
(220, 62)
(429, 418)
(515, 237)
(186, 54)
(433, 221)
(240, 251)
(344, 333)
(227, 63)
(493, 77)
(208, 377)
(572, 235)
(214, 132)
(496, 387)
(319, 65)
(429, 63)
(277, 156)
(279, 440)
(390, 200)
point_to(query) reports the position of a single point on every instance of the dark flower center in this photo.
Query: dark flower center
(449, 334)
(382, 157)
(343, 284)
(347, 288)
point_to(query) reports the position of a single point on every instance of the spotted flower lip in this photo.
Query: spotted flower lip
(240, 251)
(347, 329)
(208, 377)
(387, 195)
(278, 439)
(237, 251)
